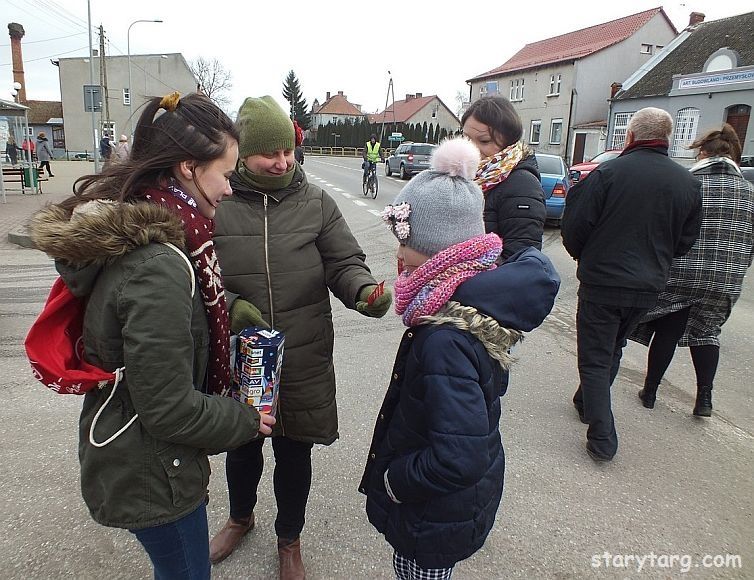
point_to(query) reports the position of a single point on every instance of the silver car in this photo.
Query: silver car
(408, 159)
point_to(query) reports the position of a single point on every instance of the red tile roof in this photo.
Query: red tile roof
(404, 109)
(42, 111)
(577, 44)
(338, 105)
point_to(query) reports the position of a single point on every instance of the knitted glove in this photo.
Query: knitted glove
(242, 314)
(379, 307)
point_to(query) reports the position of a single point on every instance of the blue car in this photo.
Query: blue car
(553, 174)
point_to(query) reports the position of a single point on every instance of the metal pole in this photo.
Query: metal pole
(130, 90)
(91, 84)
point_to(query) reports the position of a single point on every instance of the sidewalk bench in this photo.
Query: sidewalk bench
(16, 175)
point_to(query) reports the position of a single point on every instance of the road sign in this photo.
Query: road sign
(397, 138)
(92, 98)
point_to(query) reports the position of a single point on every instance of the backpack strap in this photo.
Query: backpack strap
(190, 267)
(119, 372)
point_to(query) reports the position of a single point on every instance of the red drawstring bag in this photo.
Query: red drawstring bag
(55, 346)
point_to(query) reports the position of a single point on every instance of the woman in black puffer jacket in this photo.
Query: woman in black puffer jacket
(514, 206)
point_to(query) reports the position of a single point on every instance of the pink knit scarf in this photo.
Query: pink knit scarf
(430, 286)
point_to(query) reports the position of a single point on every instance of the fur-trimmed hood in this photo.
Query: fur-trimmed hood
(98, 232)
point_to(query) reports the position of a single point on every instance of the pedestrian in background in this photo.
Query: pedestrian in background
(12, 149)
(28, 147)
(434, 477)
(284, 246)
(122, 149)
(105, 148)
(299, 151)
(624, 224)
(44, 154)
(111, 246)
(514, 202)
(705, 284)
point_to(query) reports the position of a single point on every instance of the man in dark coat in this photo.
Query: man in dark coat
(624, 224)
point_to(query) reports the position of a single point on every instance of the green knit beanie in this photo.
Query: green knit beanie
(264, 127)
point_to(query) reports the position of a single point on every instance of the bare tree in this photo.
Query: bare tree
(214, 80)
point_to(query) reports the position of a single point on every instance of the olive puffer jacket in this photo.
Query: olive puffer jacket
(282, 251)
(140, 315)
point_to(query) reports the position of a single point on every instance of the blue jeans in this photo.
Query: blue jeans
(179, 550)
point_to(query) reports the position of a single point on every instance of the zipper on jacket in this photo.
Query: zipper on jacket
(279, 415)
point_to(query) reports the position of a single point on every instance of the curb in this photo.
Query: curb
(21, 237)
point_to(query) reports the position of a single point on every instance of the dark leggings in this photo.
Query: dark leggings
(291, 479)
(42, 165)
(668, 330)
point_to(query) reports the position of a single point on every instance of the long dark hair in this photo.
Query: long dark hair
(189, 128)
(720, 143)
(500, 116)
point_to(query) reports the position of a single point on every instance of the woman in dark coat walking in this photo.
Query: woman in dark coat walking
(514, 202)
(434, 477)
(705, 284)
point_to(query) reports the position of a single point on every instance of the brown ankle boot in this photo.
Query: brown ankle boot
(229, 536)
(291, 565)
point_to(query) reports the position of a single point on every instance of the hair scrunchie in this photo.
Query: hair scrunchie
(170, 102)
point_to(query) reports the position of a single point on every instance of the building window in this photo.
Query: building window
(517, 90)
(619, 130)
(686, 124)
(30, 131)
(489, 88)
(554, 85)
(646, 49)
(126, 96)
(108, 127)
(335, 120)
(536, 127)
(556, 131)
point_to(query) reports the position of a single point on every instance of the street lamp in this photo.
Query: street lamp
(16, 90)
(130, 90)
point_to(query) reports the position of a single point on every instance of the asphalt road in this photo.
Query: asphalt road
(680, 487)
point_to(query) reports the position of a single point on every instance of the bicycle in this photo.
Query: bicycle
(371, 185)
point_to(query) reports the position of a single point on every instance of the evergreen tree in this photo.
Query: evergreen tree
(298, 106)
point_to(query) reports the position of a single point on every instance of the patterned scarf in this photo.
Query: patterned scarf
(199, 231)
(496, 169)
(430, 286)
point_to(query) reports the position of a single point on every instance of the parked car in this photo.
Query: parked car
(409, 158)
(747, 160)
(581, 170)
(553, 175)
(748, 173)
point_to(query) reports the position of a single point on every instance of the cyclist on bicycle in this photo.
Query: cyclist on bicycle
(372, 153)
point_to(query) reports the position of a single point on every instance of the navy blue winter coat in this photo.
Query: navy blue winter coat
(437, 432)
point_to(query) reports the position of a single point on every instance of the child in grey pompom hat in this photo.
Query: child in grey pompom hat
(446, 189)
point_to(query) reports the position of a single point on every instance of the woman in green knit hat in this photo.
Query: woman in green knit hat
(283, 245)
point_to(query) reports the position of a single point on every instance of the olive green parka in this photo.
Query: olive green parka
(140, 315)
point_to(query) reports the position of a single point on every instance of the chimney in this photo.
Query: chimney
(418, 95)
(340, 94)
(614, 88)
(696, 18)
(328, 96)
(17, 32)
(409, 96)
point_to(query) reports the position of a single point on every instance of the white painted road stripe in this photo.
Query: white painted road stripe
(375, 212)
(359, 202)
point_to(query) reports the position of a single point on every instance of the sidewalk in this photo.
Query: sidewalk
(15, 214)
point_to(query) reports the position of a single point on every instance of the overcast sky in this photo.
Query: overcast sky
(330, 45)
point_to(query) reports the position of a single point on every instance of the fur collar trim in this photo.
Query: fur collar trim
(101, 231)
